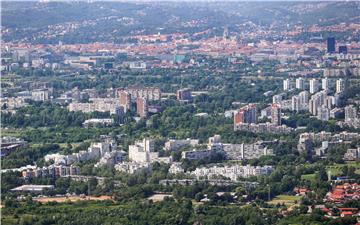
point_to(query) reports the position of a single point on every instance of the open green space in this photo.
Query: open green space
(11, 132)
(288, 200)
(336, 169)
(309, 177)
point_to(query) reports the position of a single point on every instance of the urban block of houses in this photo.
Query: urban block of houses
(233, 172)
(352, 154)
(173, 144)
(133, 167)
(246, 151)
(263, 128)
(230, 151)
(111, 105)
(95, 151)
(175, 168)
(144, 152)
(342, 193)
(53, 171)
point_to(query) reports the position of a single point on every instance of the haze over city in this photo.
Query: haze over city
(180, 112)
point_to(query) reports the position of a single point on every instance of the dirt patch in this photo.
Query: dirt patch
(72, 198)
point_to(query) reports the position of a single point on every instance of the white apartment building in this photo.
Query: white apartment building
(111, 105)
(340, 86)
(176, 168)
(287, 85)
(316, 101)
(110, 158)
(325, 84)
(350, 113)
(234, 172)
(133, 167)
(300, 83)
(323, 113)
(173, 144)
(296, 103)
(144, 151)
(246, 151)
(304, 97)
(314, 86)
(96, 150)
(40, 95)
(277, 98)
(95, 122)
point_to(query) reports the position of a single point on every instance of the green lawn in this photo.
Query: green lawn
(286, 199)
(309, 177)
(10, 132)
(336, 169)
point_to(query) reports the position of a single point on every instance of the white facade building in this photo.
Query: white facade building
(287, 85)
(173, 144)
(296, 103)
(314, 86)
(340, 86)
(144, 151)
(325, 84)
(300, 83)
(234, 172)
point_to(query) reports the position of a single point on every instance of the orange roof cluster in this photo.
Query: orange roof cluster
(343, 193)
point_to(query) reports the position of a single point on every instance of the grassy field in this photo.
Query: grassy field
(288, 200)
(336, 169)
(11, 132)
(309, 177)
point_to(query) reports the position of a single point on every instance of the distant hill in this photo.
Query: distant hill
(109, 21)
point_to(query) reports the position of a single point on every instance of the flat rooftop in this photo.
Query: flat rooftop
(33, 188)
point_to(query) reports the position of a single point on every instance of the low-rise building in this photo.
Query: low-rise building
(343, 193)
(233, 172)
(352, 154)
(173, 144)
(95, 151)
(96, 122)
(197, 154)
(111, 105)
(110, 158)
(263, 128)
(176, 168)
(40, 95)
(133, 167)
(336, 113)
(246, 151)
(53, 171)
(33, 188)
(9, 144)
(183, 94)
